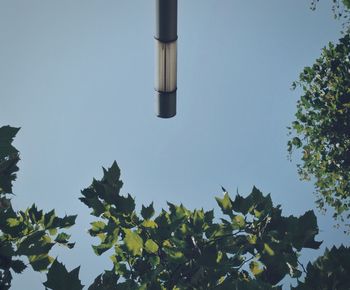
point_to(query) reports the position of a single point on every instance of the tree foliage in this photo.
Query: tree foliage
(252, 245)
(30, 233)
(177, 249)
(322, 126)
(59, 278)
(330, 271)
(341, 9)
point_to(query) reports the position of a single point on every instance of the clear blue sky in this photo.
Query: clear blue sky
(77, 76)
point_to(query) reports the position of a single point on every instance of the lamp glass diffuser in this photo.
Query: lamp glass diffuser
(166, 66)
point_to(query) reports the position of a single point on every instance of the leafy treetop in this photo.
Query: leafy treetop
(252, 246)
(322, 126)
(30, 233)
(330, 271)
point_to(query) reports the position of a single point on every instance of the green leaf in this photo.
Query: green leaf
(67, 221)
(53, 231)
(58, 278)
(70, 245)
(225, 204)
(13, 222)
(97, 228)
(240, 204)
(106, 281)
(256, 268)
(34, 245)
(268, 250)
(35, 215)
(174, 255)
(177, 212)
(100, 249)
(62, 238)
(18, 266)
(151, 246)
(296, 142)
(6, 249)
(149, 224)
(92, 201)
(154, 260)
(252, 239)
(112, 175)
(163, 221)
(198, 219)
(7, 134)
(5, 279)
(125, 205)
(40, 262)
(208, 217)
(307, 230)
(133, 242)
(147, 212)
(8, 167)
(49, 219)
(238, 221)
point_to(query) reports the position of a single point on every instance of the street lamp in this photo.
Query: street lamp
(166, 58)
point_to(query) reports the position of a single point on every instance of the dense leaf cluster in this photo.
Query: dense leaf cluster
(30, 233)
(330, 271)
(252, 246)
(322, 126)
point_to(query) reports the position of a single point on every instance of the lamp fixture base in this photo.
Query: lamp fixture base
(166, 104)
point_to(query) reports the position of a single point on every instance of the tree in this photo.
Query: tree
(322, 126)
(249, 246)
(340, 8)
(330, 271)
(252, 246)
(30, 233)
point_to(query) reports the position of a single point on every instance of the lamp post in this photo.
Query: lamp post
(166, 58)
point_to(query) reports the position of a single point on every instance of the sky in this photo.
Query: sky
(78, 78)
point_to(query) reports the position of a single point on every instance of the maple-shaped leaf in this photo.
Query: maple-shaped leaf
(7, 134)
(58, 278)
(106, 281)
(9, 158)
(147, 211)
(133, 242)
(18, 266)
(225, 204)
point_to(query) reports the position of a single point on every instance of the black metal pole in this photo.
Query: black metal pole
(166, 20)
(166, 58)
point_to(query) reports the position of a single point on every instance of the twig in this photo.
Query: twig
(302, 266)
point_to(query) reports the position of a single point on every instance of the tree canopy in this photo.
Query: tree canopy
(330, 271)
(322, 126)
(30, 233)
(252, 244)
(249, 245)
